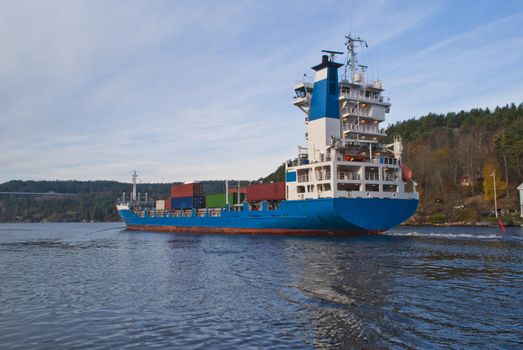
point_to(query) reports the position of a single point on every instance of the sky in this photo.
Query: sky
(199, 90)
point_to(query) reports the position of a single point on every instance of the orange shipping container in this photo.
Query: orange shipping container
(193, 189)
(269, 192)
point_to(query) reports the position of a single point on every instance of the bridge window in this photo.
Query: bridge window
(372, 188)
(390, 188)
(348, 187)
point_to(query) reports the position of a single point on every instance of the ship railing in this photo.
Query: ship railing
(382, 194)
(301, 99)
(375, 160)
(303, 178)
(389, 177)
(372, 176)
(306, 82)
(368, 129)
(215, 212)
(357, 113)
(323, 176)
(356, 96)
(386, 160)
(348, 176)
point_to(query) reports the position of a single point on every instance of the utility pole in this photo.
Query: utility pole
(227, 192)
(495, 199)
(238, 192)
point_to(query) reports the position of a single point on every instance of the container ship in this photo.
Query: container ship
(345, 181)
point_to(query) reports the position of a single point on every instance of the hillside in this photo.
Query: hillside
(453, 155)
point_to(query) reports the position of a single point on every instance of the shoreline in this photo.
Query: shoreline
(447, 224)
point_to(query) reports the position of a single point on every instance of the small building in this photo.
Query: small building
(465, 181)
(520, 189)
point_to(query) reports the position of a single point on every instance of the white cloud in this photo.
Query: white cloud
(182, 91)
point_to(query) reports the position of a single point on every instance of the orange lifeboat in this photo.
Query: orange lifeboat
(406, 173)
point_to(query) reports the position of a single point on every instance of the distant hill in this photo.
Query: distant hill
(95, 200)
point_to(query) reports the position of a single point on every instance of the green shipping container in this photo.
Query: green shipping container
(218, 200)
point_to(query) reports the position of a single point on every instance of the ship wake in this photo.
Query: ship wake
(449, 235)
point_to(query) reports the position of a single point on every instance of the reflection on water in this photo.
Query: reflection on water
(97, 285)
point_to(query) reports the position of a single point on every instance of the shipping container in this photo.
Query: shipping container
(198, 202)
(270, 192)
(217, 200)
(193, 189)
(235, 189)
(167, 204)
(160, 204)
(188, 202)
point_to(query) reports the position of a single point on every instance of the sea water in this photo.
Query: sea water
(100, 286)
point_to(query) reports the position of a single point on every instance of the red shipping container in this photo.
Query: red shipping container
(193, 189)
(235, 189)
(168, 204)
(268, 192)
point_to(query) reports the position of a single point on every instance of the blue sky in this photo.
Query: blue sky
(195, 90)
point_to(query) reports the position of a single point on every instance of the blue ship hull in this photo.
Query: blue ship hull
(326, 216)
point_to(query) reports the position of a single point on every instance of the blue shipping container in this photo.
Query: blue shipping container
(198, 202)
(187, 202)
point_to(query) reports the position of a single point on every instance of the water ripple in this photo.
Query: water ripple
(99, 286)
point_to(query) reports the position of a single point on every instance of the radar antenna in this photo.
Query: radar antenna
(332, 53)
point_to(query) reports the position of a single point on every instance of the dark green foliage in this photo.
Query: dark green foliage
(443, 149)
(95, 200)
(277, 176)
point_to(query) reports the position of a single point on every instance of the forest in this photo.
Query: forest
(453, 157)
(93, 200)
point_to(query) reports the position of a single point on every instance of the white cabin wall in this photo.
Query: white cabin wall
(319, 133)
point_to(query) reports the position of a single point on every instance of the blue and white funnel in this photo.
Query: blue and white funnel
(325, 97)
(324, 113)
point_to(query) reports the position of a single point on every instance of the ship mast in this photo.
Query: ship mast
(351, 49)
(134, 176)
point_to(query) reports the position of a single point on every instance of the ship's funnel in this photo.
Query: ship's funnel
(324, 103)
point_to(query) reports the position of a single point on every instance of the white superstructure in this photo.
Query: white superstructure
(345, 156)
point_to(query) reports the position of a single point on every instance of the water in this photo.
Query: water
(100, 286)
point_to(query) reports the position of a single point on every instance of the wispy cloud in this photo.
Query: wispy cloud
(184, 90)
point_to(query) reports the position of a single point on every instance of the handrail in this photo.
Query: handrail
(389, 177)
(323, 176)
(372, 176)
(348, 176)
(303, 178)
(369, 129)
(379, 98)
